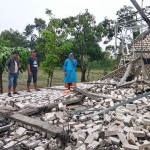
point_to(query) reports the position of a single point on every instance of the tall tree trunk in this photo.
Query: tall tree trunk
(48, 81)
(88, 75)
(51, 78)
(1, 83)
(83, 75)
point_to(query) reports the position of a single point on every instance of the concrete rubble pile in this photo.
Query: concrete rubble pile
(125, 128)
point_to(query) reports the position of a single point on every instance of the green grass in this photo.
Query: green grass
(57, 78)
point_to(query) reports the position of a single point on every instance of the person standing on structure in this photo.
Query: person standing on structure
(69, 68)
(32, 63)
(12, 65)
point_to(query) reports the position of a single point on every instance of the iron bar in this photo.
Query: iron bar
(143, 15)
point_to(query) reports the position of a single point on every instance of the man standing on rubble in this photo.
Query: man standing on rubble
(32, 63)
(12, 65)
(69, 69)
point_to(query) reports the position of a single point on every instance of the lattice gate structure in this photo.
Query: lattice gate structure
(134, 65)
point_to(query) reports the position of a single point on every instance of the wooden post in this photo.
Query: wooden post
(144, 70)
(123, 79)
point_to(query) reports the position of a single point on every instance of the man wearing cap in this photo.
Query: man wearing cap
(12, 65)
(32, 63)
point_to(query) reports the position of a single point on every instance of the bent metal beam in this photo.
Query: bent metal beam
(145, 18)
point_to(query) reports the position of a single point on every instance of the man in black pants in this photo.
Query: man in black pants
(32, 70)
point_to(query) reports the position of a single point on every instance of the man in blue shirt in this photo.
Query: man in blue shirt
(32, 70)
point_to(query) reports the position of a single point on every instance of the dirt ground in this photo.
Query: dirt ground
(20, 87)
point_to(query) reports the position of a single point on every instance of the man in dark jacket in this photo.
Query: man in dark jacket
(12, 65)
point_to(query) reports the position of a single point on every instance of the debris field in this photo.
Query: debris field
(80, 120)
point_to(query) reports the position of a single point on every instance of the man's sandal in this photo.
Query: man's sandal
(16, 93)
(9, 94)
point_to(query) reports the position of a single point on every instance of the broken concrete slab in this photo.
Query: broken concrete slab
(93, 145)
(146, 144)
(1, 144)
(131, 106)
(95, 128)
(38, 124)
(39, 148)
(139, 133)
(131, 138)
(81, 138)
(50, 116)
(89, 139)
(114, 140)
(122, 138)
(146, 122)
(79, 143)
(128, 119)
(20, 132)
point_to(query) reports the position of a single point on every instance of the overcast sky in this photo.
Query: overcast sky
(16, 14)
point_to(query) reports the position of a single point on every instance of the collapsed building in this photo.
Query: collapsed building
(109, 114)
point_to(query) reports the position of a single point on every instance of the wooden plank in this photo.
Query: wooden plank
(126, 74)
(144, 70)
(84, 93)
(38, 124)
(126, 84)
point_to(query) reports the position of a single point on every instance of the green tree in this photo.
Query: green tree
(5, 54)
(30, 36)
(12, 38)
(127, 12)
(111, 49)
(53, 44)
(85, 35)
(49, 65)
(40, 24)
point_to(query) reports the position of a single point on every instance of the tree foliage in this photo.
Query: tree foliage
(79, 34)
(54, 45)
(12, 39)
(85, 36)
(49, 65)
(127, 12)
